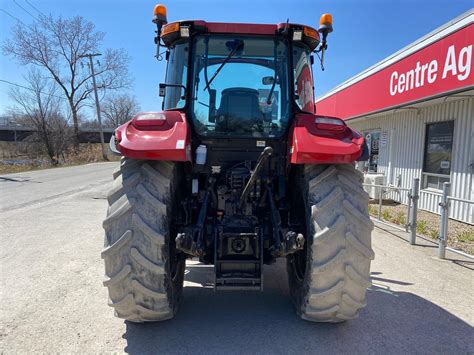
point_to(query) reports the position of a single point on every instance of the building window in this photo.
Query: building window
(438, 154)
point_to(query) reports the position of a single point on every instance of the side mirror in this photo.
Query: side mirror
(267, 80)
(162, 91)
(163, 86)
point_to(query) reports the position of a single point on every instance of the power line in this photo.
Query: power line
(35, 8)
(97, 105)
(13, 17)
(30, 89)
(21, 7)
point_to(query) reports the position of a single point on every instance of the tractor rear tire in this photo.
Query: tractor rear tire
(143, 274)
(329, 278)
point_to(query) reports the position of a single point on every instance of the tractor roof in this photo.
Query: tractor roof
(242, 28)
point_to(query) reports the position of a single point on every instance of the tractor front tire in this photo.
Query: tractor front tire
(329, 278)
(143, 274)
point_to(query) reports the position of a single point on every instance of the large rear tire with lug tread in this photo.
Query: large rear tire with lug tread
(143, 274)
(329, 278)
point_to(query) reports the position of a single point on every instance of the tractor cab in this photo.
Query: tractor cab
(238, 80)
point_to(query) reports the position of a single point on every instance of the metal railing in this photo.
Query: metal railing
(412, 212)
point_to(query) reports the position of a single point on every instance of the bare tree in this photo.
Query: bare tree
(39, 106)
(119, 109)
(56, 44)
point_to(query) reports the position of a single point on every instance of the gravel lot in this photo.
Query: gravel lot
(52, 298)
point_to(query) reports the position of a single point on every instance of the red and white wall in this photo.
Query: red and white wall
(429, 81)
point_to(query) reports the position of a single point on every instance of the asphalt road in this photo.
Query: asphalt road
(52, 298)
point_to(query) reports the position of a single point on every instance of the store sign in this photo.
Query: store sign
(456, 65)
(443, 66)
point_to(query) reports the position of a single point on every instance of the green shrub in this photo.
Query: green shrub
(433, 233)
(399, 218)
(386, 215)
(373, 210)
(466, 237)
(422, 227)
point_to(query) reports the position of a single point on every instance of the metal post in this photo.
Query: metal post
(414, 194)
(97, 106)
(380, 203)
(443, 225)
(408, 223)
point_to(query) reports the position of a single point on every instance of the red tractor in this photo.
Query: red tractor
(236, 171)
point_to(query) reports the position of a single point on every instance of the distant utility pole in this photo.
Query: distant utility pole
(101, 132)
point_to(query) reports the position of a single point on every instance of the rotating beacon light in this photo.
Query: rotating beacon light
(325, 27)
(159, 18)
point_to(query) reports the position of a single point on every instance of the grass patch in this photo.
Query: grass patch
(399, 218)
(386, 215)
(466, 237)
(88, 153)
(422, 227)
(373, 210)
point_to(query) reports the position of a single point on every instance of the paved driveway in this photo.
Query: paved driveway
(52, 299)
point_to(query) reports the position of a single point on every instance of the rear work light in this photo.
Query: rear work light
(330, 124)
(297, 35)
(148, 120)
(184, 31)
(305, 34)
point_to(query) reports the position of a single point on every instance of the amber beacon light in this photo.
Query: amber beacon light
(159, 15)
(325, 23)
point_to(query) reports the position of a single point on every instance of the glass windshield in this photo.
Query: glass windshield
(240, 86)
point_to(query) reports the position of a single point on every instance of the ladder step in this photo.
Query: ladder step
(238, 288)
(237, 279)
(239, 261)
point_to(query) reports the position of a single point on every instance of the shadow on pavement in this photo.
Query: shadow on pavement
(245, 322)
(25, 179)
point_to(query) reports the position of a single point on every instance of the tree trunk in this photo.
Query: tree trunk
(49, 148)
(76, 125)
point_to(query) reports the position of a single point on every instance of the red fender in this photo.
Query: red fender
(323, 143)
(156, 136)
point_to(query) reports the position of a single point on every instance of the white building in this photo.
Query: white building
(416, 109)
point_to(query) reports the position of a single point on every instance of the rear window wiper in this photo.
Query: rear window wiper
(236, 45)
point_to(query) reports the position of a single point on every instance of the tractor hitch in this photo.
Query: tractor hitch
(186, 243)
(191, 240)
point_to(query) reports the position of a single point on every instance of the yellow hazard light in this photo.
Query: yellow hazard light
(159, 10)
(170, 28)
(159, 15)
(325, 23)
(326, 19)
(310, 32)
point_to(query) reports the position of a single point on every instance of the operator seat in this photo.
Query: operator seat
(239, 110)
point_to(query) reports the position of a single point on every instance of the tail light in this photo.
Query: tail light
(149, 120)
(330, 124)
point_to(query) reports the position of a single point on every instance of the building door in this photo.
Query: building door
(373, 142)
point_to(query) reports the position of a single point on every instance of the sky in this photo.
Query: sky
(365, 31)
